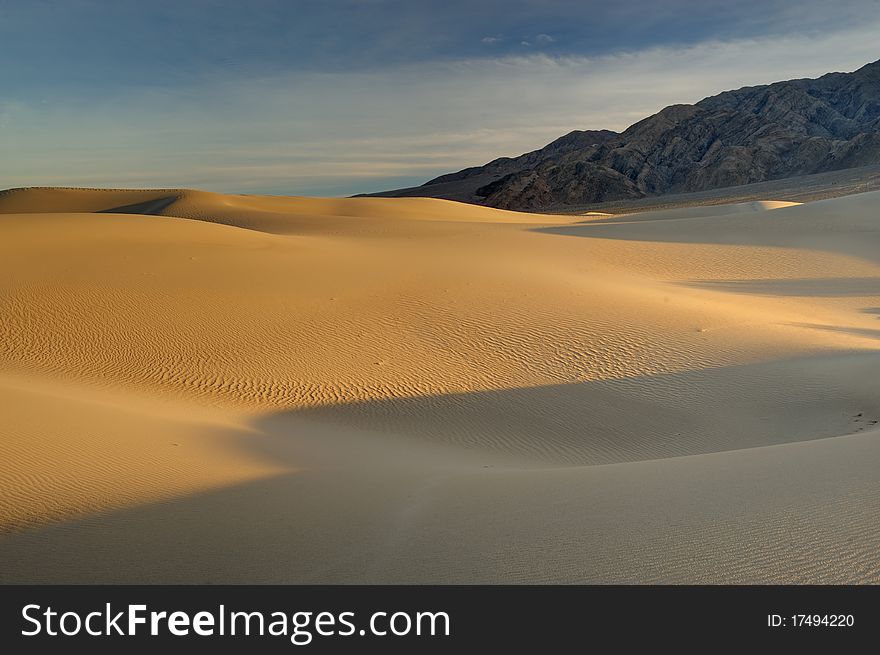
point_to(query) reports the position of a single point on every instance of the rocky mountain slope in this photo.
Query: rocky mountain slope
(753, 134)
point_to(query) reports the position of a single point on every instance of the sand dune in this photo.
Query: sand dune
(202, 387)
(706, 211)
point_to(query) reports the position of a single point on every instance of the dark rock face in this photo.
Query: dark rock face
(753, 134)
(578, 141)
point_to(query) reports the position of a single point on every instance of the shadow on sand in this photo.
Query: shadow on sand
(816, 287)
(445, 499)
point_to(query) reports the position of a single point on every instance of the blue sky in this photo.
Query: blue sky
(343, 96)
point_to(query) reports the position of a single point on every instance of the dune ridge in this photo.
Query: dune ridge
(356, 380)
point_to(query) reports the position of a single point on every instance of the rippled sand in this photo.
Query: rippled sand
(197, 387)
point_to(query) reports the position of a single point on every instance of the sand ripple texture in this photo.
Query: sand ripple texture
(163, 351)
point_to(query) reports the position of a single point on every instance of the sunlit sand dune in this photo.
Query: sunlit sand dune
(706, 211)
(198, 387)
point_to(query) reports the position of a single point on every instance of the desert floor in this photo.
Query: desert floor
(206, 388)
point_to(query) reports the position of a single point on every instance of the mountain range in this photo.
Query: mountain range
(753, 134)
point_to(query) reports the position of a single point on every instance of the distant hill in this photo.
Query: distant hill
(753, 134)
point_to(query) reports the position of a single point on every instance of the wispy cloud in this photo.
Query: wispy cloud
(347, 132)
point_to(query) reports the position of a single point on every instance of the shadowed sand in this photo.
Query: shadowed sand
(198, 387)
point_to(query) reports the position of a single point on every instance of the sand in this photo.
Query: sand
(207, 388)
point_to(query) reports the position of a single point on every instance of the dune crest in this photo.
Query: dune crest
(353, 380)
